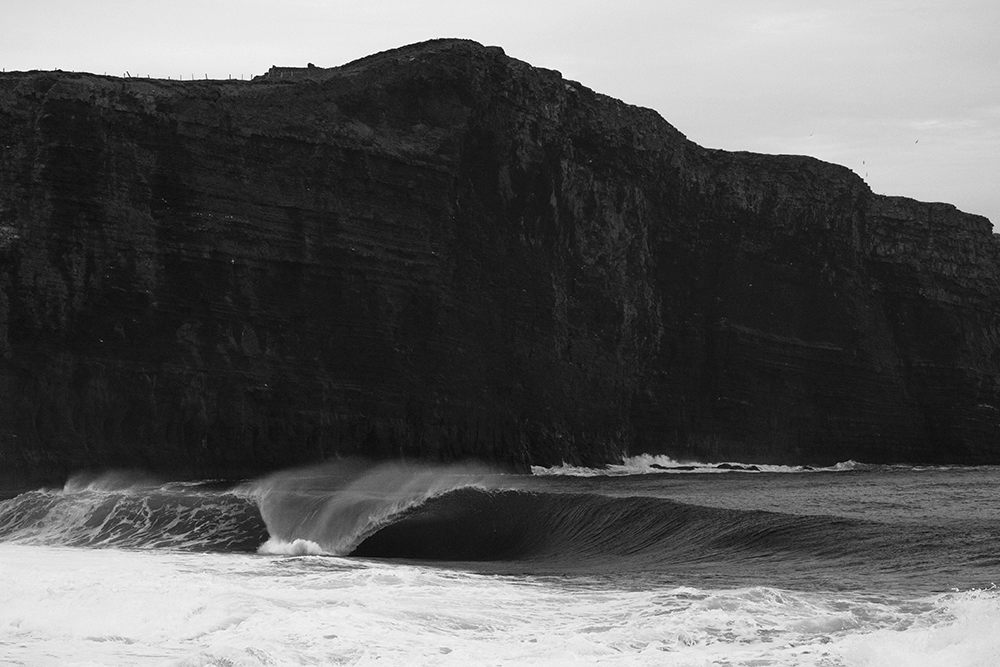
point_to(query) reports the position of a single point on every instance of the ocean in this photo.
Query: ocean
(645, 563)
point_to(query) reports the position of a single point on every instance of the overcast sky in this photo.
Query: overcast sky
(904, 92)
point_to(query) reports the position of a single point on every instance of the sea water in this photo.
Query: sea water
(646, 563)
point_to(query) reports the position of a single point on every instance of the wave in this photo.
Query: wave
(585, 533)
(471, 514)
(475, 524)
(331, 508)
(324, 509)
(125, 509)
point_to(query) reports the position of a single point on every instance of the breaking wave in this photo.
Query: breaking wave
(125, 509)
(331, 508)
(470, 514)
(570, 528)
(324, 509)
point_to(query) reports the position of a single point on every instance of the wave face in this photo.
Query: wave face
(127, 510)
(484, 524)
(592, 533)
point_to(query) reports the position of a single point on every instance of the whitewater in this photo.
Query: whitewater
(649, 562)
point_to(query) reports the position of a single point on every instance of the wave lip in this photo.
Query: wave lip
(333, 507)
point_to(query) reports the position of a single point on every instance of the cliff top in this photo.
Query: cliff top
(472, 69)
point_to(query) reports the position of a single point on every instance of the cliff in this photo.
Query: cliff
(441, 252)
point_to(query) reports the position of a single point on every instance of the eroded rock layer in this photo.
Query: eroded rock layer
(441, 252)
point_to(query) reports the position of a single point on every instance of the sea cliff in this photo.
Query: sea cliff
(440, 252)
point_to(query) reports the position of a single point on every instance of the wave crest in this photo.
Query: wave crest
(109, 481)
(334, 506)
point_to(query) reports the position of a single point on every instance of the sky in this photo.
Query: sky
(904, 92)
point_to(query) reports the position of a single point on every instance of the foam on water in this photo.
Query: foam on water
(959, 629)
(73, 606)
(298, 547)
(645, 464)
(131, 510)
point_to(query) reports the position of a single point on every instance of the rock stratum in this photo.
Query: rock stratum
(440, 252)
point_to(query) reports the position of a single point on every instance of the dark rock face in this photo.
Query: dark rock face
(441, 252)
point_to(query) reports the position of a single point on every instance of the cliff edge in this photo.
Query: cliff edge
(441, 252)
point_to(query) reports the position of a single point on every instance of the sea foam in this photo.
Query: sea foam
(646, 464)
(78, 606)
(960, 628)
